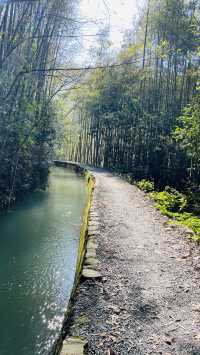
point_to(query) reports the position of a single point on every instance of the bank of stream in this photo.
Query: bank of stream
(38, 256)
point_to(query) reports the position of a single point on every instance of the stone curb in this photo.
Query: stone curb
(91, 266)
(90, 271)
(74, 346)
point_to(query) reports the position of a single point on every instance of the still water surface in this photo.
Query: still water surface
(39, 242)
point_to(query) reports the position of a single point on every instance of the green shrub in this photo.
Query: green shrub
(169, 201)
(172, 203)
(194, 224)
(129, 179)
(190, 221)
(146, 185)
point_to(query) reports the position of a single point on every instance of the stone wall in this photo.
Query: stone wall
(82, 245)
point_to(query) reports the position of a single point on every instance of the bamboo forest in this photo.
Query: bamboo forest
(99, 177)
(141, 116)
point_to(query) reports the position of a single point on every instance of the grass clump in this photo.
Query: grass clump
(145, 185)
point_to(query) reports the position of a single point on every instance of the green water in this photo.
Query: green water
(38, 249)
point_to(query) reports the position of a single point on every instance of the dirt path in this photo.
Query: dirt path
(148, 301)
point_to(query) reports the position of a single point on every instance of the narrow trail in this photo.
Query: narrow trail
(148, 301)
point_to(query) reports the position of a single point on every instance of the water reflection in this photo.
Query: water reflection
(39, 242)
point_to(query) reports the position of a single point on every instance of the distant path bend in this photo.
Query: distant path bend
(149, 299)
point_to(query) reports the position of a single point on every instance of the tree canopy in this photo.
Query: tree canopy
(33, 35)
(142, 115)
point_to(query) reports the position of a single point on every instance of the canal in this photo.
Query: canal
(39, 242)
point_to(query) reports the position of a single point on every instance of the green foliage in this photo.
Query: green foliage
(28, 46)
(172, 204)
(127, 115)
(146, 185)
(129, 179)
(187, 133)
(193, 223)
(66, 128)
(170, 200)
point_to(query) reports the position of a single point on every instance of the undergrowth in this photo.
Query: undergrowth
(176, 206)
(145, 185)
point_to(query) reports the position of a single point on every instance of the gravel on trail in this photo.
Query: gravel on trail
(148, 300)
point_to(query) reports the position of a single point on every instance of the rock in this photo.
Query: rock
(197, 337)
(115, 309)
(91, 274)
(92, 261)
(91, 244)
(196, 308)
(93, 224)
(92, 231)
(93, 215)
(92, 267)
(168, 340)
(91, 238)
(188, 232)
(74, 346)
(91, 253)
